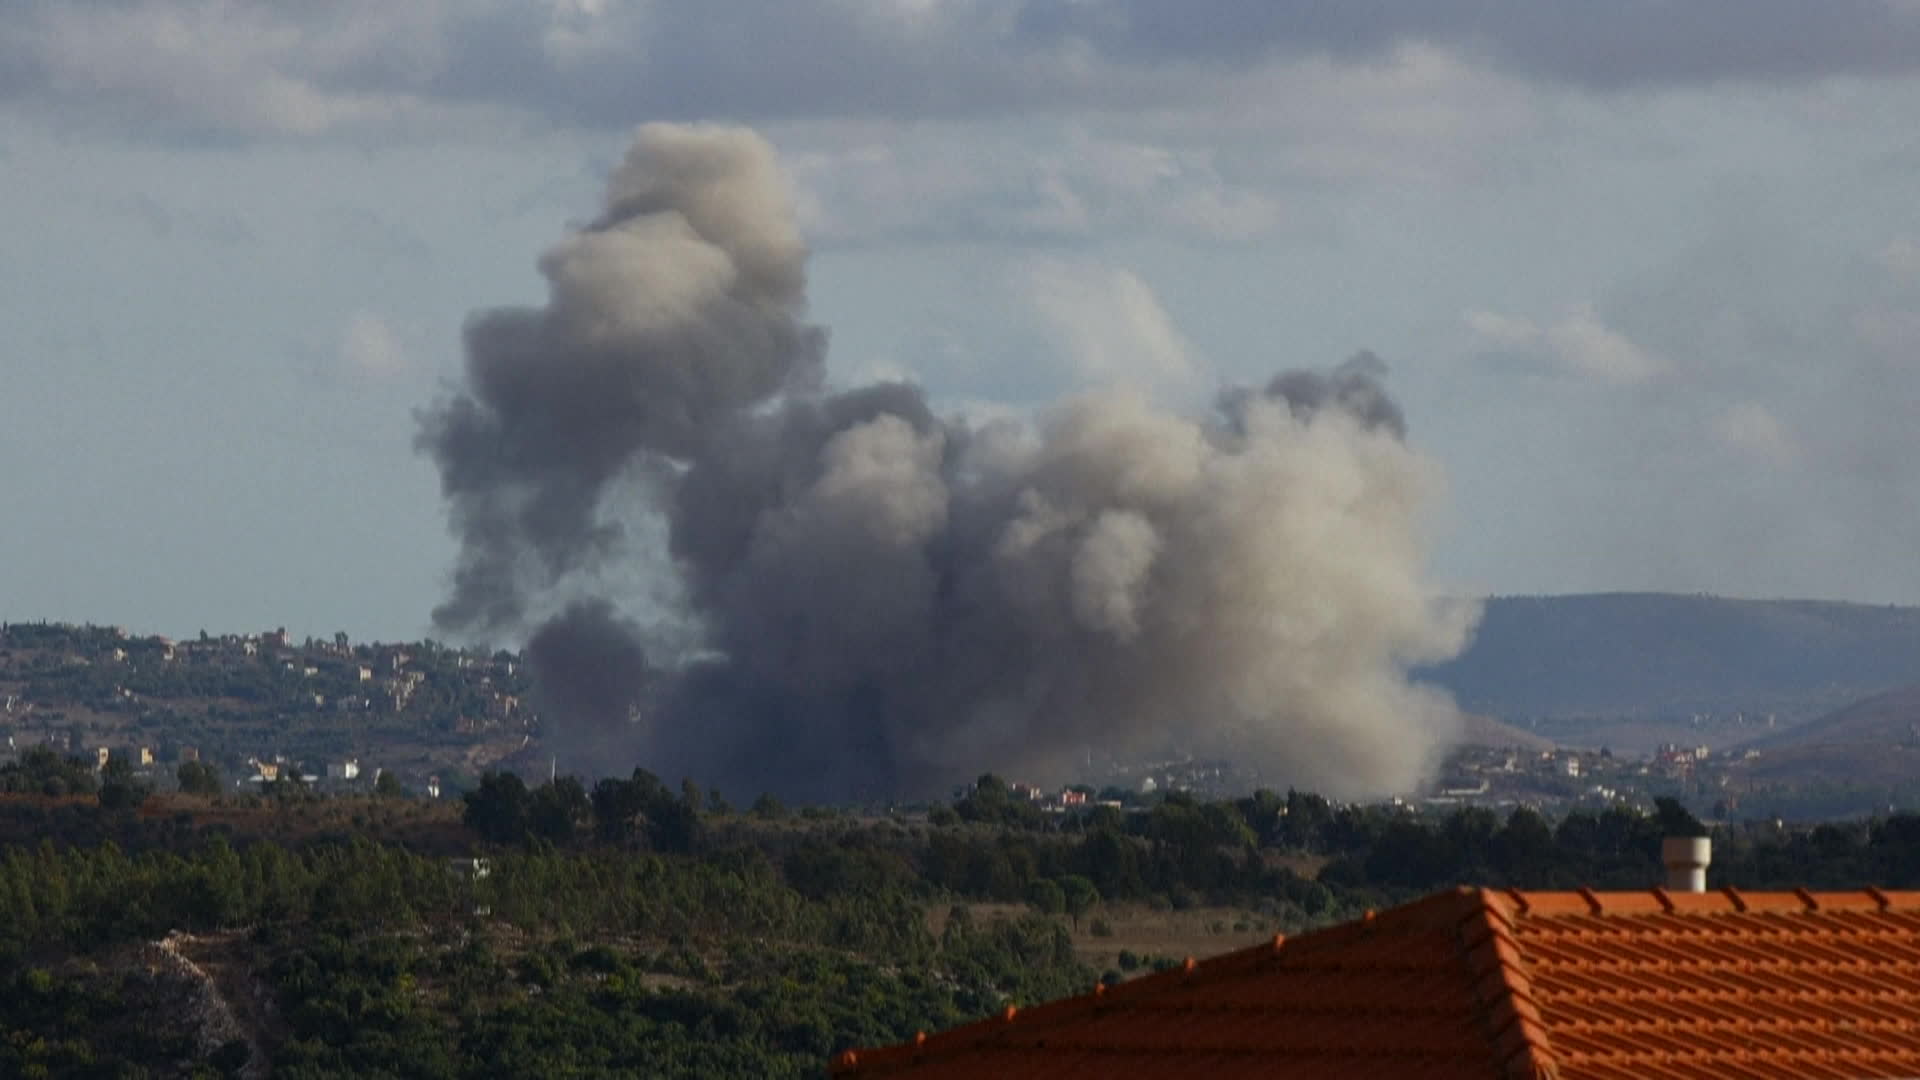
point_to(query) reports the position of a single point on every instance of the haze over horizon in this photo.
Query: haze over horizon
(1649, 291)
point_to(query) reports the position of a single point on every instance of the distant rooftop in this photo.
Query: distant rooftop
(1476, 983)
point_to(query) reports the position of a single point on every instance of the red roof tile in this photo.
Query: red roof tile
(1476, 983)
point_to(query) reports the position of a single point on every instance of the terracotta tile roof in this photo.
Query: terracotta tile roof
(1478, 983)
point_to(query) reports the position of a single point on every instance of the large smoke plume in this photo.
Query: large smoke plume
(871, 600)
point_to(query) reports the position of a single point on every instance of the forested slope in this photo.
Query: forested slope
(631, 930)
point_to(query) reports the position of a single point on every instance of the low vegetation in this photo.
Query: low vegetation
(635, 929)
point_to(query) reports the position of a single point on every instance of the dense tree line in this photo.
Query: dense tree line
(639, 812)
(633, 928)
(1183, 852)
(43, 771)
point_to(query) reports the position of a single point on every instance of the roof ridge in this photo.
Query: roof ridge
(1526, 985)
(1501, 985)
(1529, 904)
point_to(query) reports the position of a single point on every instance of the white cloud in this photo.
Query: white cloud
(1416, 115)
(902, 120)
(1901, 256)
(1502, 330)
(1889, 330)
(217, 68)
(369, 349)
(1223, 213)
(1107, 322)
(876, 182)
(1750, 429)
(1580, 342)
(321, 66)
(1589, 346)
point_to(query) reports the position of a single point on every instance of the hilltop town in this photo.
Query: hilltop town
(338, 715)
(263, 707)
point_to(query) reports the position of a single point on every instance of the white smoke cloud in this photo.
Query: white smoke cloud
(883, 602)
(1107, 322)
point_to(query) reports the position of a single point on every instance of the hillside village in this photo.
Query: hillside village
(1491, 775)
(334, 714)
(263, 707)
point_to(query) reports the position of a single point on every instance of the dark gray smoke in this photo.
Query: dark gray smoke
(591, 670)
(674, 312)
(1354, 387)
(881, 601)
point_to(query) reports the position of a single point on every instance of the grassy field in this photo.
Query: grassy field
(1147, 932)
(1144, 931)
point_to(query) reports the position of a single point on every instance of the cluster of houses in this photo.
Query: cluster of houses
(342, 774)
(153, 764)
(1056, 801)
(1568, 777)
(465, 693)
(380, 677)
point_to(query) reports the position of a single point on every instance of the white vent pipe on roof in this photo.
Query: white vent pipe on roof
(1686, 858)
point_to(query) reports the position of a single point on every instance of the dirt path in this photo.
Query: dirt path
(237, 1003)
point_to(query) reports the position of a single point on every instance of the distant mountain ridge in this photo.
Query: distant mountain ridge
(1665, 655)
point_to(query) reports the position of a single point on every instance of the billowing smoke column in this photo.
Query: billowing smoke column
(873, 601)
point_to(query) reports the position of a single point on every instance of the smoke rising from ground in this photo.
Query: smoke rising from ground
(881, 601)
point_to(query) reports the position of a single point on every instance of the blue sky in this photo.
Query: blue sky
(1647, 274)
